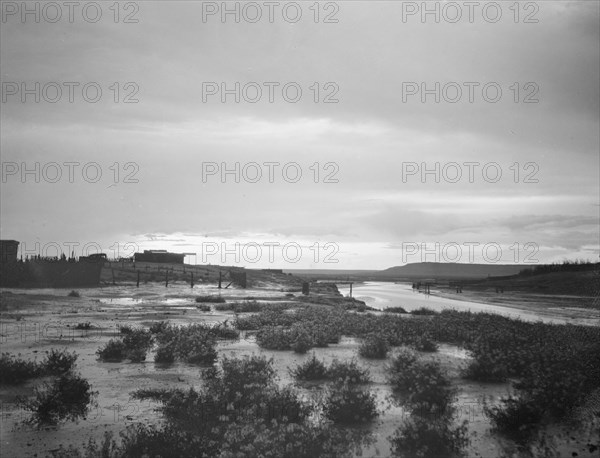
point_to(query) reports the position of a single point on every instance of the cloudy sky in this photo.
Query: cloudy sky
(340, 181)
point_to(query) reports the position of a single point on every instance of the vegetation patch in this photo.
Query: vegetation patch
(395, 310)
(338, 371)
(348, 404)
(423, 311)
(426, 438)
(67, 398)
(134, 345)
(374, 346)
(15, 371)
(211, 299)
(421, 386)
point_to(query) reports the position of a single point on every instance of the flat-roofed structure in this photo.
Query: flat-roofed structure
(162, 256)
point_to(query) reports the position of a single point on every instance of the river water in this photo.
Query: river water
(381, 295)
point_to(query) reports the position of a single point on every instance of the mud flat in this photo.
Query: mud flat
(35, 321)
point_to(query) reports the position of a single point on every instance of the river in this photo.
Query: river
(381, 295)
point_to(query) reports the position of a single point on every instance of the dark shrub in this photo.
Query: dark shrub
(67, 398)
(164, 354)
(214, 299)
(14, 371)
(159, 326)
(422, 386)
(347, 404)
(113, 351)
(301, 340)
(274, 338)
(195, 344)
(425, 344)
(395, 310)
(426, 438)
(516, 418)
(311, 369)
(225, 307)
(484, 369)
(423, 311)
(246, 307)
(137, 343)
(73, 293)
(58, 362)
(374, 346)
(85, 326)
(348, 371)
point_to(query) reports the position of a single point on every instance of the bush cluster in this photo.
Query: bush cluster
(134, 345)
(374, 346)
(343, 372)
(66, 398)
(420, 385)
(15, 371)
(211, 299)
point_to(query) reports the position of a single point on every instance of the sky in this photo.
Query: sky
(398, 137)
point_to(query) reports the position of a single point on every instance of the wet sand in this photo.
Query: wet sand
(35, 321)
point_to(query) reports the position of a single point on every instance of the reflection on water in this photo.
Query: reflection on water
(381, 295)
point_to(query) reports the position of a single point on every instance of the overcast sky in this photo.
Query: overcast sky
(371, 212)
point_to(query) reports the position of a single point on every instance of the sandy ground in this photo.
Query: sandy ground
(34, 321)
(565, 306)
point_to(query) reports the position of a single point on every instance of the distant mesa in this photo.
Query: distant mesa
(451, 270)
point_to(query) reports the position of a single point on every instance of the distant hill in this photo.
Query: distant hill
(436, 270)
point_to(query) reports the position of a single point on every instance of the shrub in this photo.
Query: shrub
(282, 440)
(374, 346)
(58, 362)
(14, 371)
(113, 351)
(224, 331)
(246, 306)
(159, 326)
(348, 371)
(85, 326)
(311, 369)
(425, 344)
(274, 339)
(195, 344)
(214, 299)
(73, 293)
(137, 343)
(422, 386)
(424, 438)
(484, 369)
(347, 404)
(423, 311)
(395, 310)
(164, 354)
(67, 398)
(516, 418)
(301, 341)
(224, 307)
(240, 374)
(203, 307)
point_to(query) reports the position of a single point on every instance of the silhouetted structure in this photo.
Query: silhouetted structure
(162, 256)
(8, 250)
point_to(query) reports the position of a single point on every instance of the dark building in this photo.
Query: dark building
(159, 256)
(8, 250)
